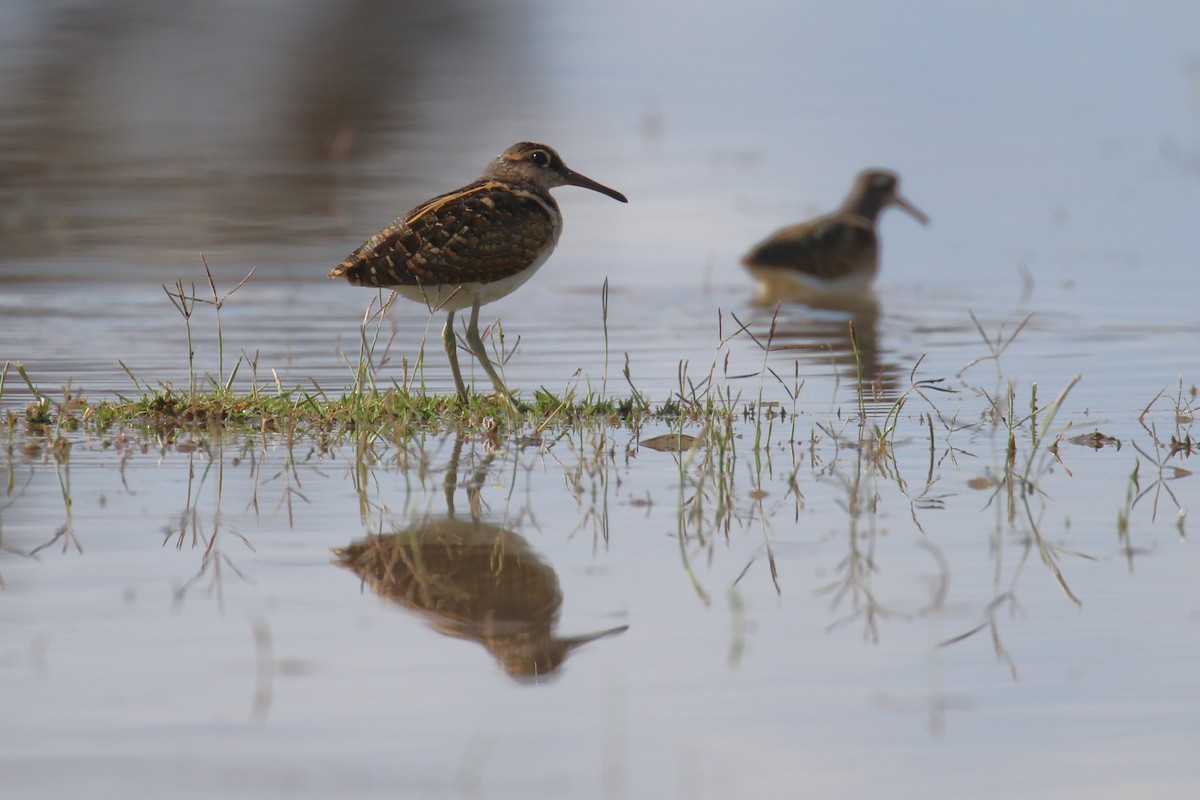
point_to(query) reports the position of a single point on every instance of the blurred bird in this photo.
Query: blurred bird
(833, 258)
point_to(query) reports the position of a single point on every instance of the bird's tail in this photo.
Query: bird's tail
(346, 270)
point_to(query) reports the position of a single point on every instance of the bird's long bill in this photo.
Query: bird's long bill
(575, 641)
(917, 213)
(573, 178)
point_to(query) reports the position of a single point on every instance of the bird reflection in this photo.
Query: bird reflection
(472, 580)
(842, 336)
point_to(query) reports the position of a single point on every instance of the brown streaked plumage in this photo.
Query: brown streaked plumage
(477, 581)
(474, 245)
(836, 255)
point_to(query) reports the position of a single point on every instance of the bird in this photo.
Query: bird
(832, 258)
(473, 580)
(474, 245)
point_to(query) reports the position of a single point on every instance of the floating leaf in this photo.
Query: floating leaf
(670, 442)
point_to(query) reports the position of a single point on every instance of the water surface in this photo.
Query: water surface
(790, 609)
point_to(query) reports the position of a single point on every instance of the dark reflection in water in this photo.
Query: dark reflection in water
(472, 580)
(191, 124)
(842, 336)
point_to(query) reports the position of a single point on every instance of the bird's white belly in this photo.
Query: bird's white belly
(452, 297)
(774, 285)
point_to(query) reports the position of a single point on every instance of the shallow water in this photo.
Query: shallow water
(784, 612)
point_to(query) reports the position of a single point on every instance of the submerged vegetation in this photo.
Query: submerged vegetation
(745, 461)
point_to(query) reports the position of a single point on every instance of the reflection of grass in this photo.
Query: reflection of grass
(740, 466)
(190, 528)
(1030, 448)
(1030, 442)
(1180, 444)
(48, 422)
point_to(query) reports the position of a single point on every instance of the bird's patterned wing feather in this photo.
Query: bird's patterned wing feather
(480, 233)
(826, 248)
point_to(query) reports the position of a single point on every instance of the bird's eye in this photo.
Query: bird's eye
(540, 158)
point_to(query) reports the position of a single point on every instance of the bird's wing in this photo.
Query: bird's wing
(480, 233)
(826, 248)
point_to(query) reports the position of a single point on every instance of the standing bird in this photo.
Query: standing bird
(831, 257)
(473, 245)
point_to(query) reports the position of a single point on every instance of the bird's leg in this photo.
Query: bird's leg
(478, 350)
(452, 355)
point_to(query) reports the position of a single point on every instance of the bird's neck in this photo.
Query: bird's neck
(866, 206)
